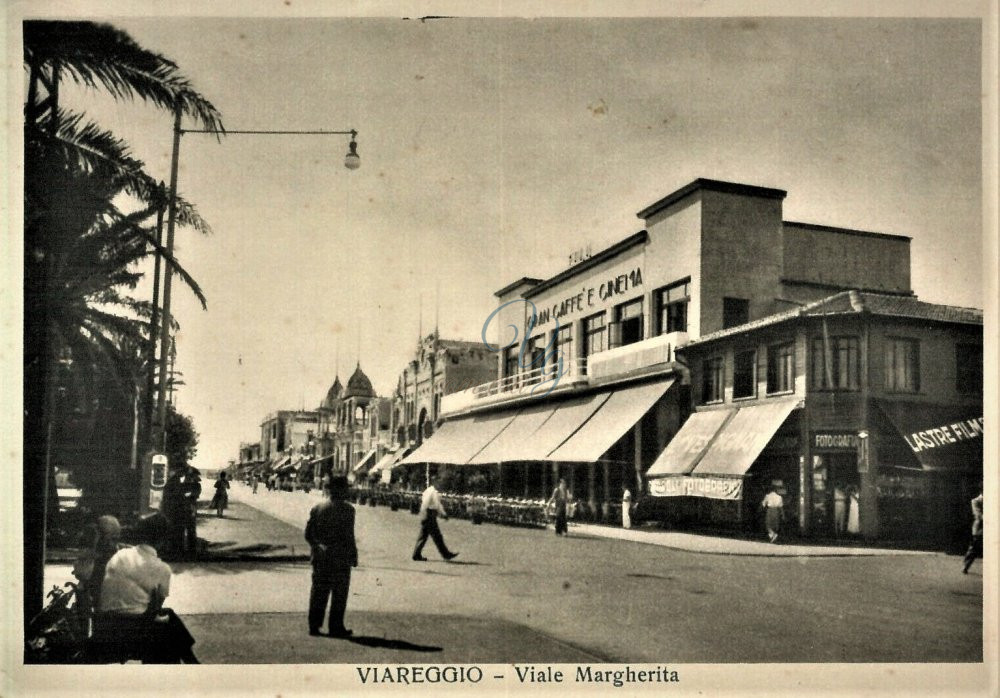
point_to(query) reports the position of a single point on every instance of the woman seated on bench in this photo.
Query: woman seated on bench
(136, 582)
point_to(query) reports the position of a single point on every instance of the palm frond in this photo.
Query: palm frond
(95, 54)
(176, 267)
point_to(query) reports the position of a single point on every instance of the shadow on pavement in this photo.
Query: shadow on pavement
(393, 644)
(469, 562)
(218, 566)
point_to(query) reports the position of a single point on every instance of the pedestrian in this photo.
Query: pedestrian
(90, 566)
(773, 506)
(221, 499)
(853, 510)
(136, 583)
(976, 543)
(839, 509)
(253, 483)
(430, 509)
(559, 502)
(626, 509)
(330, 533)
(174, 507)
(192, 491)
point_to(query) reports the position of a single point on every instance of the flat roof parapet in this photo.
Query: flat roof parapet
(711, 185)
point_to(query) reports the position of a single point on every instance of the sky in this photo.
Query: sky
(492, 148)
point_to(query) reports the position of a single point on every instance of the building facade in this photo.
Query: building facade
(865, 411)
(590, 389)
(439, 367)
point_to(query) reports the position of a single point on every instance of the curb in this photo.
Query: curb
(805, 553)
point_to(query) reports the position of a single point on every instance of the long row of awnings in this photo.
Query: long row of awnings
(578, 430)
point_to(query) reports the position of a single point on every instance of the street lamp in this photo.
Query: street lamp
(352, 161)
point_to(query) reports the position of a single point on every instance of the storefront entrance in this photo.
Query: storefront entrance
(836, 486)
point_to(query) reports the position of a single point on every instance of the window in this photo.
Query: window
(745, 374)
(535, 354)
(594, 334)
(672, 307)
(711, 380)
(969, 368)
(627, 328)
(564, 348)
(735, 311)
(902, 365)
(510, 360)
(781, 368)
(844, 366)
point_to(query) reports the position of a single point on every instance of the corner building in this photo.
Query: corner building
(860, 401)
(592, 389)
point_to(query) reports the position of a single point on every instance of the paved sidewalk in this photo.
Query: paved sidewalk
(244, 533)
(720, 545)
(288, 506)
(379, 638)
(247, 533)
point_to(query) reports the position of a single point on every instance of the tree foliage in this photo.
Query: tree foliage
(182, 439)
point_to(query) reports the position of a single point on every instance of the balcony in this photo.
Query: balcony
(633, 357)
(604, 366)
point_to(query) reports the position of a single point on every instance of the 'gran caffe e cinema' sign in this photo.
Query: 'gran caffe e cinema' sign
(592, 296)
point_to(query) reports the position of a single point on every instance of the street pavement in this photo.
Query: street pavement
(525, 595)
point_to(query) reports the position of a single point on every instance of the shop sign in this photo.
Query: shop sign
(836, 441)
(708, 487)
(945, 434)
(592, 296)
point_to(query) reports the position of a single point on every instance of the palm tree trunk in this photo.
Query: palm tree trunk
(38, 390)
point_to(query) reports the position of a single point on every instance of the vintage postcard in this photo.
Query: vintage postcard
(501, 348)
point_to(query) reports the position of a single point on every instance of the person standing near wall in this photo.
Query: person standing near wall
(560, 502)
(773, 506)
(627, 509)
(976, 543)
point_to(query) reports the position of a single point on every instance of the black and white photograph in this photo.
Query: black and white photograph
(494, 348)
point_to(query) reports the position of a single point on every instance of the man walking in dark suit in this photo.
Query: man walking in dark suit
(330, 533)
(430, 509)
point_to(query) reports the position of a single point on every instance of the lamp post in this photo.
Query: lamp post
(351, 161)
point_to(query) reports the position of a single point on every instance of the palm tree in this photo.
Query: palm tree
(79, 247)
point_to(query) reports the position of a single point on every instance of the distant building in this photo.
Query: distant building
(439, 367)
(287, 439)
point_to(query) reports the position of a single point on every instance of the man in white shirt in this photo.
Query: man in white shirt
(430, 509)
(136, 582)
(131, 580)
(773, 506)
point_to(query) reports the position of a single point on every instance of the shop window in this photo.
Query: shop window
(564, 348)
(711, 380)
(902, 365)
(745, 374)
(840, 354)
(735, 311)
(627, 327)
(969, 368)
(672, 307)
(781, 368)
(594, 334)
